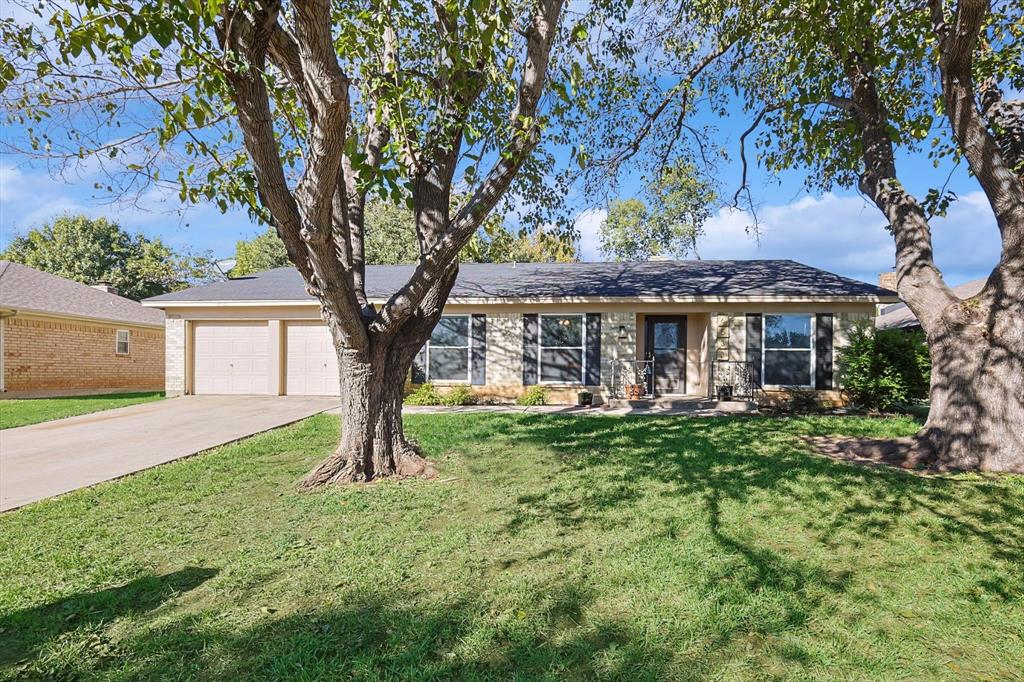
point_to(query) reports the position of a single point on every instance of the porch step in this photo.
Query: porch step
(683, 405)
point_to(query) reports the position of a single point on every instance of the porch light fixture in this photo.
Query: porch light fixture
(622, 333)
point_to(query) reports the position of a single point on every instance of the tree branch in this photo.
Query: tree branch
(958, 40)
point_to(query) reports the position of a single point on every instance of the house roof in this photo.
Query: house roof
(26, 289)
(899, 316)
(489, 281)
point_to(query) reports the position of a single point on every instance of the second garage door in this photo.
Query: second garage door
(311, 366)
(231, 358)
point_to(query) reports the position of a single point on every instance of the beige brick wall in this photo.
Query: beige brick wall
(614, 350)
(504, 349)
(730, 332)
(42, 353)
(175, 351)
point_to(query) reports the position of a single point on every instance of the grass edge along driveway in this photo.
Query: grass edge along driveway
(25, 411)
(559, 547)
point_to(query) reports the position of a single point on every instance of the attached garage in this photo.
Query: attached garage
(231, 358)
(311, 365)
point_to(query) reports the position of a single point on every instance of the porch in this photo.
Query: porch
(674, 362)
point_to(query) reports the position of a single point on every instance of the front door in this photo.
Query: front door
(665, 338)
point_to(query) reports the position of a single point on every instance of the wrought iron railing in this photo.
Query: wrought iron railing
(634, 379)
(734, 379)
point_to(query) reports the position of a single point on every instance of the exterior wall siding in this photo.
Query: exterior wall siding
(715, 331)
(504, 349)
(59, 354)
(175, 340)
(613, 349)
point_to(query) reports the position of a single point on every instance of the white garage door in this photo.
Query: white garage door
(231, 358)
(312, 366)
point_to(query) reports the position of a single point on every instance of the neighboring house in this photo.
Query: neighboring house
(899, 316)
(62, 337)
(564, 326)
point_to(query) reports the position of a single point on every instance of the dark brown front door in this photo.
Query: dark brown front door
(665, 339)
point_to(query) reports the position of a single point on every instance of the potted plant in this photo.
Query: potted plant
(585, 399)
(634, 391)
(725, 393)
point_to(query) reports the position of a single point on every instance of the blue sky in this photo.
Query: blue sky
(839, 232)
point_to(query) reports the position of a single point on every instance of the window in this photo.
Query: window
(448, 349)
(121, 347)
(561, 349)
(788, 350)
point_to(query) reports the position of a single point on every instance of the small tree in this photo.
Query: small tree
(680, 203)
(335, 102)
(90, 250)
(265, 251)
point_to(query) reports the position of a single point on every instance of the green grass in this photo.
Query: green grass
(22, 412)
(551, 548)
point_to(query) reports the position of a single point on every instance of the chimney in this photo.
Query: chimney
(887, 280)
(105, 287)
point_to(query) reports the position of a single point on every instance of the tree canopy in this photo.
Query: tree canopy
(391, 239)
(97, 250)
(680, 201)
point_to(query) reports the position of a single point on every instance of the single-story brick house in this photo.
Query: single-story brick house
(681, 328)
(59, 337)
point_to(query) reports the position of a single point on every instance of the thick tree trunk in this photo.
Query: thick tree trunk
(373, 443)
(976, 420)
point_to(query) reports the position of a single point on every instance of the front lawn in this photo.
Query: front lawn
(551, 547)
(22, 412)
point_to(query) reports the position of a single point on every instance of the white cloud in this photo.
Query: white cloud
(844, 234)
(588, 226)
(31, 197)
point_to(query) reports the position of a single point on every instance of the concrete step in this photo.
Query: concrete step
(683, 405)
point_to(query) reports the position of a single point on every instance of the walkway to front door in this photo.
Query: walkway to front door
(665, 341)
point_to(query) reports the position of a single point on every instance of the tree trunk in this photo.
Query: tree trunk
(373, 443)
(976, 420)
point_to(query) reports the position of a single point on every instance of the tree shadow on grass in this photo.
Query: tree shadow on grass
(392, 636)
(616, 462)
(26, 632)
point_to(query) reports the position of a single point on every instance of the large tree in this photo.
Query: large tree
(841, 89)
(335, 102)
(91, 250)
(857, 83)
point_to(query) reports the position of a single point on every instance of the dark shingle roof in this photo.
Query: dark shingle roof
(899, 316)
(25, 288)
(566, 280)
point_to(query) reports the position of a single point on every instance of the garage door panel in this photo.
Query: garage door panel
(311, 363)
(231, 358)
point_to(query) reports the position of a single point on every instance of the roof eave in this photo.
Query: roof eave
(526, 300)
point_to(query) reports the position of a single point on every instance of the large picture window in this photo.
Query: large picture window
(561, 349)
(788, 350)
(448, 349)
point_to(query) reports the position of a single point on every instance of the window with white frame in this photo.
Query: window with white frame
(448, 350)
(788, 350)
(123, 337)
(561, 349)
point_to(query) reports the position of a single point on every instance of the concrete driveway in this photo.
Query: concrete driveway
(43, 460)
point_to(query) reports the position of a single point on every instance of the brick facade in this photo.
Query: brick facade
(60, 354)
(175, 353)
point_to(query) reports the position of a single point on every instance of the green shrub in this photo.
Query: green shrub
(534, 395)
(426, 394)
(460, 395)
(886, 369)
